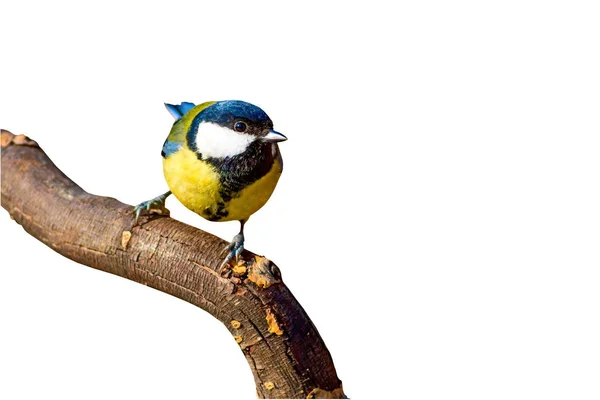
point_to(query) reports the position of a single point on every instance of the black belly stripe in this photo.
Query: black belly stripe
(242, 170)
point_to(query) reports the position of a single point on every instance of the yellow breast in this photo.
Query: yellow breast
(254, 196)
(196, 184)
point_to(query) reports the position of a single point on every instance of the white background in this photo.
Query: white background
(438, 216)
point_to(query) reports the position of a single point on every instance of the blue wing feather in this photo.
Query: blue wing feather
(170, 148)
(178, 111)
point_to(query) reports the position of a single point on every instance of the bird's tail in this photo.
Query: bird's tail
(178, 111)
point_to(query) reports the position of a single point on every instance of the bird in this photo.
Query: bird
(221, 160)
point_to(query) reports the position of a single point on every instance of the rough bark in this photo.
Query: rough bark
(282, 346)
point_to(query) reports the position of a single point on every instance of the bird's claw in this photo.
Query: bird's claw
(235, 249)
(156, 204)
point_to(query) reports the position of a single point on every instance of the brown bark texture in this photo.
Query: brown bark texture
(282, 346)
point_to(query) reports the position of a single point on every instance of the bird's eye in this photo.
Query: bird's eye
(240, 126)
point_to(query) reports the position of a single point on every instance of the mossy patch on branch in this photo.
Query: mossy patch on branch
(7, 138)
(263, 273)
(272, 322)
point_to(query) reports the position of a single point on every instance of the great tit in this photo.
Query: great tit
(221, 160)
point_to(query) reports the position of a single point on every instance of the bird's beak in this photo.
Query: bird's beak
(273, 137)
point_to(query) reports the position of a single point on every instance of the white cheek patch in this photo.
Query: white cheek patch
(215, 141)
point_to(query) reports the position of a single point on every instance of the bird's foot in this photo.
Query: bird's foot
(153, 206)
(234, 248)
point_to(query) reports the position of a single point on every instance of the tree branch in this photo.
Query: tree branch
(283, 348)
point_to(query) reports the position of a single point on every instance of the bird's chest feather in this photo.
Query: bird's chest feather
(219, 192)
(255, 195)
(195, 183)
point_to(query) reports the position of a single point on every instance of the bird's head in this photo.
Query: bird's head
(227, 128)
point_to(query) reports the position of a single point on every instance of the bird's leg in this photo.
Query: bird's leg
(157, 203)
(236, 246)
